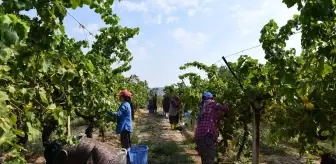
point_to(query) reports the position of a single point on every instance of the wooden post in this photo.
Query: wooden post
(255, 106)
(256, 133)
(68, 127)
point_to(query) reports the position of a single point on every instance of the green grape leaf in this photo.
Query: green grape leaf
(43, 95)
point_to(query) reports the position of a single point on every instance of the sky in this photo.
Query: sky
(174, 32)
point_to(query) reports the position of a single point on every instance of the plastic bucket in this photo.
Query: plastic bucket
(138, 154)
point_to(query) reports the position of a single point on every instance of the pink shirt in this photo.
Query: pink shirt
(208, 121)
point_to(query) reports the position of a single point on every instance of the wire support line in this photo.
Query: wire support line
(237, 53)
(243, 50)
(80, 24)
(250, 48)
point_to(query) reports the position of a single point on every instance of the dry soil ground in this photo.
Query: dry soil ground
(166, 146)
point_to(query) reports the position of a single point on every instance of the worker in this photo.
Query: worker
(124, 118)
(166, 105)
(175, 105)
(155, 103)
(206, 133)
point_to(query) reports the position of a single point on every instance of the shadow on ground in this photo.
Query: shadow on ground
(168, 152)
(166, 146)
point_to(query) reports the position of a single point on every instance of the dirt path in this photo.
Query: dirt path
(165, 146)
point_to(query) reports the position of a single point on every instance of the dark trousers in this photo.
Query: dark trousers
(126, 142)
(125, 139)
(174, 119)
(206, 148)
(166, 109)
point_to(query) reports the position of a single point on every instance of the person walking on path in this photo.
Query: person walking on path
(206, 133)
(155, 103)
(166, 105)
(150, 106)
(174, 112)
(124, 118)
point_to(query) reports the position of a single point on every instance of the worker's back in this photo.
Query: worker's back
(88, 151)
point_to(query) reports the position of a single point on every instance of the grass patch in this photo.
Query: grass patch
(135, 139)
(189, 142)
(167, 153)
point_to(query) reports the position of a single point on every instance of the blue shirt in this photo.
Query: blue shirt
(124, 118)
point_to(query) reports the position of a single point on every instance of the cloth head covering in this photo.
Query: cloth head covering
(207, 95)
(124, 92)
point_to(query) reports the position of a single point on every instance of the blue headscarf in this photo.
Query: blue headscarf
(207, 95)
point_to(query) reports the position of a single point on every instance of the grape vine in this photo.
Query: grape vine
(301, 88)
(45, 76)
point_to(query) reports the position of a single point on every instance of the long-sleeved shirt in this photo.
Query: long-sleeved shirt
(208, 121)
(124, 118)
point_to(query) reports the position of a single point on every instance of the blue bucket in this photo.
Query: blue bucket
(138, 154)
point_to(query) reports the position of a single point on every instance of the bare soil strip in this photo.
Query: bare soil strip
(166, 146)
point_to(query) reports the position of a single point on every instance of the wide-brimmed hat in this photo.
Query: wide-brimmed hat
(124, 92)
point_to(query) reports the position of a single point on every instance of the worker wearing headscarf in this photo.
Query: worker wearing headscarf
(206, 133)
(174, 111)
(124, 118)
